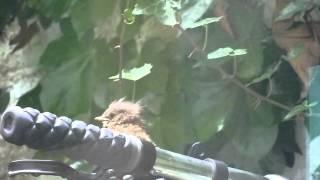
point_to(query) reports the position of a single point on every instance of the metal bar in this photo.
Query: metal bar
(181, 167)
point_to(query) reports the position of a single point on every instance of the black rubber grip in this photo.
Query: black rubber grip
(81, 141)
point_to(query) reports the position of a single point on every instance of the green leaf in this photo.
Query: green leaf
(129, 18)
(227, 51)
(192, 11)
(67, 90)
(203, 22)
(252, 127)
(81, 17)
(164, 10)
(134, 74)
(290, 10)
(299, 109)
(269, 72)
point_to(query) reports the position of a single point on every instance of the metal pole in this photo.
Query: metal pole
(181, 167)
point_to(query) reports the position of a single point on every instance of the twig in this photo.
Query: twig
(232, 78)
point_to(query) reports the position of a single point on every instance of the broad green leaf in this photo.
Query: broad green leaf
(61, 50)
(299, 109)
(227, 51)
(135, 73)
(81, 17)
(203, 22)
(252, 127)
(269, 72)
(68, 89)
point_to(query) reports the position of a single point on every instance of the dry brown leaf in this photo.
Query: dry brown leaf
(288, 38)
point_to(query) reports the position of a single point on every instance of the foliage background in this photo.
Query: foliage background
(232, 74)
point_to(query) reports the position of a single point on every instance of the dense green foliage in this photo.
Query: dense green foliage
(199, 73)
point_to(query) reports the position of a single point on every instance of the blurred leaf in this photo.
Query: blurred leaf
(81, 17)
(252, 128)
(52, 8)
(227, 51)
(68, 89)
(164, 10)
(299, 109)
(203, 22)
(314, 161)
(129, 18)
(27, 79)
(295, 51)
(61, 50)
(134, 74)
(269, 72)
(101, 9)
(192, 11)
(290, 10)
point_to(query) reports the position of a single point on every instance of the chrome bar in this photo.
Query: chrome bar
(181, 167)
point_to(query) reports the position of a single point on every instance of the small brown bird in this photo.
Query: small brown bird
(125, 117)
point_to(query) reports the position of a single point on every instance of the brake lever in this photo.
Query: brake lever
(49, 167)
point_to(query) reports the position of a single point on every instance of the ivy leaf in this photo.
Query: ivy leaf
(203, 22)
(192, 11)
(164, 10)
(227, 51)
(269, 72)
(134, 74)
(299, 109)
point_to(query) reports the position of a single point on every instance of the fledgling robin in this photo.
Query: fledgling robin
(125, 117)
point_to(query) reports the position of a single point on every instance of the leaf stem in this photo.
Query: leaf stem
(231, 77)
(134, 89)
(120, 46)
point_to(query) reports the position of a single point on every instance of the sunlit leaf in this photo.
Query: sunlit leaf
(164, 10)
(227, 51)
(135, 73)
(299, 109)
(129, 18)
(203, 22)
(192, 11)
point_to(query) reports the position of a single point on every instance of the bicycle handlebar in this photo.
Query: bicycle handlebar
(99, 146)
(108, 150)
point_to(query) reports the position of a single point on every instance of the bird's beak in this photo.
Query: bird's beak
(101, 118)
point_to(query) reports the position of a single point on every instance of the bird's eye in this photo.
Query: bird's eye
(111, 115)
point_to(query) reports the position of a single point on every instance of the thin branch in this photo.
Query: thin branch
(232, 78)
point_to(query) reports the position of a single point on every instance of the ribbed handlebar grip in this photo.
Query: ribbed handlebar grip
(99, 146)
